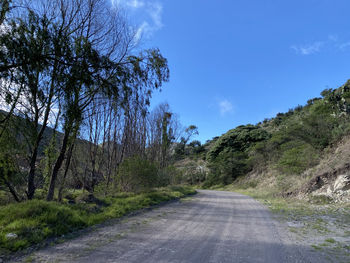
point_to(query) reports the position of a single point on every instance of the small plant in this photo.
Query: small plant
(330, 240)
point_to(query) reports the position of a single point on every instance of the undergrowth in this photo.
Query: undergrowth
(34, 221)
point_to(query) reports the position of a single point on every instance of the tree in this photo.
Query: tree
(196, 147)
(110, 75)
(163, 129)
(4, 8)
(71, 57)
(189, 132)
(28, 43)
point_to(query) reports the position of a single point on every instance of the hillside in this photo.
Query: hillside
(303, 151)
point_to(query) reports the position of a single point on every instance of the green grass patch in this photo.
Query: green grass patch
(330, 240)
(34, 221)
(316, 247)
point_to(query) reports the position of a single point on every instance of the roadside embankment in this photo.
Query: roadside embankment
(28, 223)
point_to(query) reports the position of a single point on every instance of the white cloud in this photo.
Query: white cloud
(140, 31)
(225, 107)
(309, 48)
(333, 42)
(135, 3)
(146, 13)
(344, 45)
(155, 10)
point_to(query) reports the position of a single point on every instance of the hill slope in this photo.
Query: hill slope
(302, 151)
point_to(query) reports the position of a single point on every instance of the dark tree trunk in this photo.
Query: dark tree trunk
(13, 191)
(69, 157)
(58, 164)
(31, 176)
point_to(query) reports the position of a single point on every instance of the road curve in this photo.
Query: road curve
(212, 226)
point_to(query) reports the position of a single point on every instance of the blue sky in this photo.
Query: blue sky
(235, 62)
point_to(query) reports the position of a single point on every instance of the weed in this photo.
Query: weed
(330, 240)
(29, 259)
(316, 247)
(36, 220)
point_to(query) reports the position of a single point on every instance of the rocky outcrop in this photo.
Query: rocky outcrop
(335, 185)
(342, 183)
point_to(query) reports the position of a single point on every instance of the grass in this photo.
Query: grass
(36, 220)
(330, 240)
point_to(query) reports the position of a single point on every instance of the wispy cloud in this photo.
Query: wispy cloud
(308, 49)
(225, 107)
(343, 46)
(155, 10)
(148, 13)
(144, 27)
(332, 42)
(135, 3)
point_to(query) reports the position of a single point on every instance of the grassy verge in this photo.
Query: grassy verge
(31, 222)
(317, 223)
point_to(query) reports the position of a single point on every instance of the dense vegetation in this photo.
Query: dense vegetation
(78, 141)
(289, 143)
(76, 94)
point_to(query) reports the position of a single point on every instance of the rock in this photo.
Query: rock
(342, 183)
(11, 236)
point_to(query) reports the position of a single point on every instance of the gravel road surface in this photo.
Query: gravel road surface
(212, 226)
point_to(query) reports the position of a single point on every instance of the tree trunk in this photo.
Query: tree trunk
(69, 157)
(31, 176)
(13, 191)
(58, 164)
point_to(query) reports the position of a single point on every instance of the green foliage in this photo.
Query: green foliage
(11, 178)
(227, 167)
(4, 8)
(229, 157)
(237, 140)
(297, 157)
(195, 147)
(137, 174)
(169, 175)
(8, 169)
(34, 221)
(291, 142)
(183, 149)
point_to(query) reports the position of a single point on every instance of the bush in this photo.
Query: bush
(238, 140)
(136, 174)
(169, 175)
(297, 158)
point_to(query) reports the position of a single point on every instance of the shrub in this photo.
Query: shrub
(297, 158)
(169, 175)
(136, 174)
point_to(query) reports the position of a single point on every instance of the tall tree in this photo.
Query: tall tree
(4, 8)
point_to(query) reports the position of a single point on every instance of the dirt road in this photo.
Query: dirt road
(212, 226)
